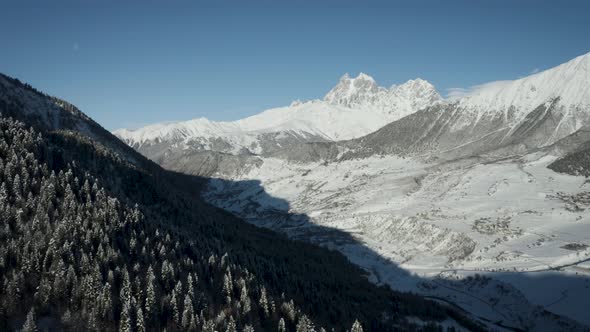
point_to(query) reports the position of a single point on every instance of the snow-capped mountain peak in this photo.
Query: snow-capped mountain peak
(417, 86)
(350, 90)
(396, 102)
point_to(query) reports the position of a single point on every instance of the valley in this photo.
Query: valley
(505, 220)
(456, 199)
(295, 166)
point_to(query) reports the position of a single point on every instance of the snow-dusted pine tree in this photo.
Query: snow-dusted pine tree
(30, 324)
(356, 327)
(282, 327)
(305, 325)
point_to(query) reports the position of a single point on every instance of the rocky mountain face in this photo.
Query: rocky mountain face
(396, 102)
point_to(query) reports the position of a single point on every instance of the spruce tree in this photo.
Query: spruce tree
(30, 324)
(139, 321)
(356, 327)
(150, 300)
(282, 327)
(263, 301)
(231, 325)
(175, 310)
(187, 314)
(305, 325)
(125, 318)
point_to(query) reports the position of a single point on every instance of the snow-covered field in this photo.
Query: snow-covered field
(497, 238)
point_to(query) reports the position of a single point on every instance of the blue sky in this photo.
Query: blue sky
(131, 63)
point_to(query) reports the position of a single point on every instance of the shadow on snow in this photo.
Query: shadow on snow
(494, 300)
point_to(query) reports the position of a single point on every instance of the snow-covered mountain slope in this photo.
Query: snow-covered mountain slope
(49, 112)
(534, 111)
(355, 107)
(515, 116)
(23, 102)
(314, 118)
(570, 82)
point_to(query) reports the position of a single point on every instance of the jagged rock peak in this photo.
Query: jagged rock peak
(363, 91)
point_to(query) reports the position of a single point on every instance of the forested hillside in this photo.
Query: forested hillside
(574, 163)
(96, 238)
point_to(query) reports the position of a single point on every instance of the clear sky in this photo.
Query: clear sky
(131, 63)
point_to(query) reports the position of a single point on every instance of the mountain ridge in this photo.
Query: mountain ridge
(330, 119)
(357, 109)
(496, 116)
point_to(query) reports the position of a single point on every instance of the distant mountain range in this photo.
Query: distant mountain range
(353, 108)
(410, 118)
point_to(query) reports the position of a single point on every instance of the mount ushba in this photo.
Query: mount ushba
(461, 200)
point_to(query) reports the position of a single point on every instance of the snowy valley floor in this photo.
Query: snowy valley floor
(501, 239)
